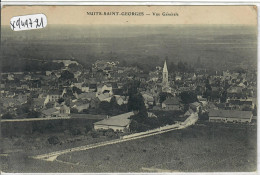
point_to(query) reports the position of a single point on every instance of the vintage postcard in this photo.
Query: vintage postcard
(128, 89)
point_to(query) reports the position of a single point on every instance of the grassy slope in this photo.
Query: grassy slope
(200, 148)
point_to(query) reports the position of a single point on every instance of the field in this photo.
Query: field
(200, 148)
(196, 149)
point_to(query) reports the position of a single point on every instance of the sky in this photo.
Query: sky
(77, 15)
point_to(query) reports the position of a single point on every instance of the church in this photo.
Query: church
(165, 80)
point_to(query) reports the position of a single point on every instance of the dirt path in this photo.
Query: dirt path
(53, 155)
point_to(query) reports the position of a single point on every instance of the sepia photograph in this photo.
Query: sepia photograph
(128, 89)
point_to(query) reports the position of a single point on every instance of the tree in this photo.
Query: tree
(75, 131)
(188, 97)
(131, 87)
(223, 97)
(8, 116)
(203, 116)
(33, 114)
(66, 75)
(60, 100)
(138, 127)
(76, 90)
(54, 140)
(136, 102)
(105, 106)
(49, 105)
(73, 110)
(74, 67)
(88, 127)
(163, 96)
(115, 108)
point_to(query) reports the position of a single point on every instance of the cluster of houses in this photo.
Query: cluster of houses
(54, 95)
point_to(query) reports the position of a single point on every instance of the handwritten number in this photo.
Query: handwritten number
(23, 23)
(12, 24)
(30, 22)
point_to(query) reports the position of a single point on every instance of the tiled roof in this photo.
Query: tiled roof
(119, 120)
(172, 101)
(230, 114)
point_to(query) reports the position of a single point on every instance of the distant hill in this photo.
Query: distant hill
(216, 46)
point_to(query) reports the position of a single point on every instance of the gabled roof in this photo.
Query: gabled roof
(38, 101)
(87, 95)
(195, 104)
(49, 111)
(230, 114)
(172, 101)
(103, 97)
(119, 120)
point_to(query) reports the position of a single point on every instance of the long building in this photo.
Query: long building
(117, 123)
(230, 116)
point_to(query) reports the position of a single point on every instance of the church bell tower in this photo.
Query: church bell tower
(165, 75)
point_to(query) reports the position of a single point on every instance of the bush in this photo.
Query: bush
(53, 140)
(74, 110)
(8, 116)
(85, 111)
(88, 127)
(94, 134)
(203, 116)
(110, 133)
(75, 131)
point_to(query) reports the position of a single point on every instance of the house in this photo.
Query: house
(104, 88)
(151, 115)
(241, 103)
(78, 85)
(82, 107)
(87, 95)
(104, 97)
(230, 116)
(117, 123)
(94, 103)
(39, 103)
(121, 99)
(10, 77)
(92, 87)
(48, 73)
(27, 77)
(54, 95)
(234, 92)
(172, 103)
(64, 111)
(148, 99)
(51, 112)
(178, 78)
(202, 100)
(85, 87)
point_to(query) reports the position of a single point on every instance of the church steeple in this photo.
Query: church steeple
(165, 67)
(165, 75)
